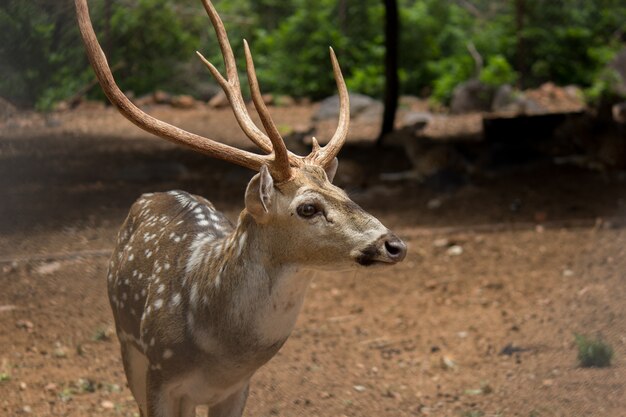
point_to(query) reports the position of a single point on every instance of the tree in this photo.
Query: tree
(392, 82)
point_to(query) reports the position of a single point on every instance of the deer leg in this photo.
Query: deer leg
(160, 403)
(232, 406)
(136, 369)
(187, 408)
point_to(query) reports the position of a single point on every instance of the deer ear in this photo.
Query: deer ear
(331, 169)
(259, 194)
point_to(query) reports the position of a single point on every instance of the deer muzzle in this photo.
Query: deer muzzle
(388, 249)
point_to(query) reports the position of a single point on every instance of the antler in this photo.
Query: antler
(324, 156)
(279, 160)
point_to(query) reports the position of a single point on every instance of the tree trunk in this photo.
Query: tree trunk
(391, 68)
(520, 52)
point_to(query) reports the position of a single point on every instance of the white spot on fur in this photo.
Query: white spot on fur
(161, 288)
(167, 353)
(193, 296)
(176, 299)
(158, 303)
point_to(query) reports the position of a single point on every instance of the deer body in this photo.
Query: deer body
(199, 304)
(182, 275)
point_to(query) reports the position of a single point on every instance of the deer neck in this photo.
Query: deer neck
(243, 282)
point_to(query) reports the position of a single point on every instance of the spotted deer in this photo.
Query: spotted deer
(201, 304)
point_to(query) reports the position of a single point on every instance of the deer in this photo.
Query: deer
(200, 303)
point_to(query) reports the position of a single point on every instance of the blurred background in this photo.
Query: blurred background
(490, 135)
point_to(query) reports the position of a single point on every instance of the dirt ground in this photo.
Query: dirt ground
(503, 270)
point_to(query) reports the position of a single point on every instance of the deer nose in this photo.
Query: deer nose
(394, 248)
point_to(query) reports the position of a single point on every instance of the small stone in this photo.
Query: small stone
(48, 268)
(50, 387)
(568, 273)
(359, 388)
(325, 395)
(219, 100)
(107, 405)
(183, 102)
(455, 250)
(25, 325)
(547, 382)
(442, 242)
(434, 203)
(60, 352)
(23, 386)
(27, 409)
(448, 363)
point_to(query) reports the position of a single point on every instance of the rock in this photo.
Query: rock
(27, 409)
(90, 105)
(471, 96)
(7, 307)
(50, 387)
(434, 203)
(448, 363)
(359, 388)
(48, 268)
(7, 110)
(161, 97)
(23, 386)
(441, 242)
(146, 100)
(268, 99)
(503, 98)
(183, 102)
(205, 91)
(25, 325)
(219, 101)
(61, 106)
(618, 112)
(60, 352)
(455, 250)
(416, 121)
(574, 92)
(329, 107)
(371, 114)
(107, 405)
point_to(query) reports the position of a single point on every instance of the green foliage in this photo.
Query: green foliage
(593, 352)
(152, 43)
(498, 71)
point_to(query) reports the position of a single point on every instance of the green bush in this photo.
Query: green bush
(593, 352)
(498, 71)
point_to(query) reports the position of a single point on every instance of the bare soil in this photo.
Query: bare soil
(502, 272)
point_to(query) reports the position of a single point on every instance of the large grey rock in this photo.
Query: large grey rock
(416, 121)
(359, 103)
(504, 97)
(471, 96)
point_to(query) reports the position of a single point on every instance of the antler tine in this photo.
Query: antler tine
(231, 86)
(281, 155)
(324, 156)
(145, 121)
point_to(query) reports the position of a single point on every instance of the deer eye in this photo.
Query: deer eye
(307, 210)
